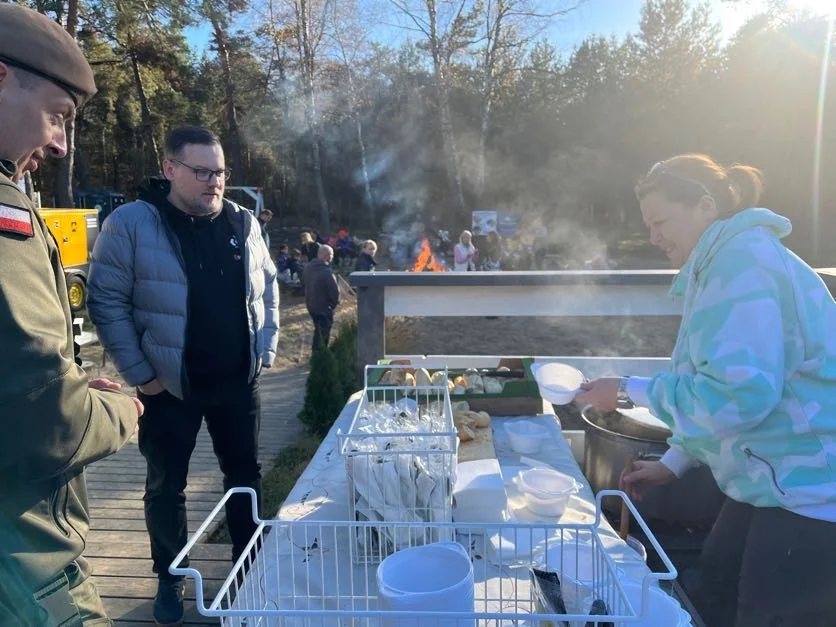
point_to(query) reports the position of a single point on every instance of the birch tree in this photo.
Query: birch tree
(508, 27)
(448, 27)
(349, 40)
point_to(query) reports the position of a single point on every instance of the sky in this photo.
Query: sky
(607, 17)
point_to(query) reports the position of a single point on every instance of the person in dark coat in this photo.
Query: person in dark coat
(366, 261)
(322, 295)
(309, 247)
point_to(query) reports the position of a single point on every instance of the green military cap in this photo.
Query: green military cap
(35, 43)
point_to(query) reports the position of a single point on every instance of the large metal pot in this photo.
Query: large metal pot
(614, 438)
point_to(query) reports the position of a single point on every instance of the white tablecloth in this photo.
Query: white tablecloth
(321, 494)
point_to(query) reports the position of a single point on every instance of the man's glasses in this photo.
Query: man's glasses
(204, 175)
(660, 169)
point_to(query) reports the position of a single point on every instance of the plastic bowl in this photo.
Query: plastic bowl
(663, 610)
(558, 383)
(546, 491)
(638, 547)
(526, 437)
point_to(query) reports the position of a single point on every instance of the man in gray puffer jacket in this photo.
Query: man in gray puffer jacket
(184, 297)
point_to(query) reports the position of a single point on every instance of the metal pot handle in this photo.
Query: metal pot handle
(652, 457)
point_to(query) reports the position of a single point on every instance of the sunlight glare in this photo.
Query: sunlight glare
(825, 8)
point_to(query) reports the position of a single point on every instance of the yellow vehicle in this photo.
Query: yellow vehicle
(75, 231)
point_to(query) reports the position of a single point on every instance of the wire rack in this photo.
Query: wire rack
(303, 574)
(400, 456)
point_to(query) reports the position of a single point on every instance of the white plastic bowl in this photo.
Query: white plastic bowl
(526, 437)
(558, 383)
(638, 547)
(546, 491)
(663, 610)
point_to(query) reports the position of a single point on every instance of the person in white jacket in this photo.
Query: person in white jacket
(464, 253)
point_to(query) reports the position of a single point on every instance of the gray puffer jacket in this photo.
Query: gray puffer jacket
(138, 295)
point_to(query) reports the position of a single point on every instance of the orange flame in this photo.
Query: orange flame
(426, 260)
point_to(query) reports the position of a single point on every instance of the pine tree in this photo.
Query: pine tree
(345, 350)
(323, 393)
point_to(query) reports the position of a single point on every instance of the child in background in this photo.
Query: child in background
(366, 261)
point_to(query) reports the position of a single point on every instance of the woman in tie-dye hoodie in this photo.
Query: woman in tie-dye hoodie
(751, 393)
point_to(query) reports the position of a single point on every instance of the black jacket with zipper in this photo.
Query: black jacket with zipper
(217, 333)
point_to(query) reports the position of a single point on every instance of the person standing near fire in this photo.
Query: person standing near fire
(54, 420)
(366, 261)
(309, 247)
(322, 295)
(465, 253)
(185, 300)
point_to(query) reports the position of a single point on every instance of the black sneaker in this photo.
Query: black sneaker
(168, 604)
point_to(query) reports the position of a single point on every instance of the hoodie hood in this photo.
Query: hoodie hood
(721, 232)
(155, 190)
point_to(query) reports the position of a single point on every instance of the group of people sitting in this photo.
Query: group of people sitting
(291, 262)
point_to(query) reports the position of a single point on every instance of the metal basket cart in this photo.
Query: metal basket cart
(400, 457)
(303, 574)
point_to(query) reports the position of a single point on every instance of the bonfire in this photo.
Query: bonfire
(426, 261)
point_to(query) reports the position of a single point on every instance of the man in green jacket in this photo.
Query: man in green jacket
(53, 420)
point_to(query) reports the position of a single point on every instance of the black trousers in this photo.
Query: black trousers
(322, 330)
(167, 435)
(767, 567)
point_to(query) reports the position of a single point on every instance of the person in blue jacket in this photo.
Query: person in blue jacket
(751, 393)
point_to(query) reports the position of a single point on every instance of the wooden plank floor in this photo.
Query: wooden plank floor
(117, 545)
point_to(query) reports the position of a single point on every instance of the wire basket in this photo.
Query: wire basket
(400, 456)
(303, 574)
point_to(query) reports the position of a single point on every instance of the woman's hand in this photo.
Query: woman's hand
(602, 394)
(644, 475)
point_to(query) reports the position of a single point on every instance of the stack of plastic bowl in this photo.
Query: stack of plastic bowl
(546, 491)
(526, 437)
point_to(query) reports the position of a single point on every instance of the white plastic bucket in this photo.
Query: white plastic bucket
(435, 577)
(662, 611)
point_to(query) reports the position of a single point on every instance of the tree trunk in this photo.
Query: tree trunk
(147, 121)
(324, 209)
(28, 188)
(64, 173)
(494, 33)
(448, 134)
(235, 148)
(368, 201)
(306, 54)
(81, 169)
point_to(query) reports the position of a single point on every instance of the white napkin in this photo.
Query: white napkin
(479, 485)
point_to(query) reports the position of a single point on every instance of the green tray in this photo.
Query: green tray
(526, 387)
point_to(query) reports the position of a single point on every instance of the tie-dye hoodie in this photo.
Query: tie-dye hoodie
(752, 387)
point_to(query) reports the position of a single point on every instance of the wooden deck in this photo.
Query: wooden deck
(117, 545)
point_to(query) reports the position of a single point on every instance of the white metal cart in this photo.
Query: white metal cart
(303, 573)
